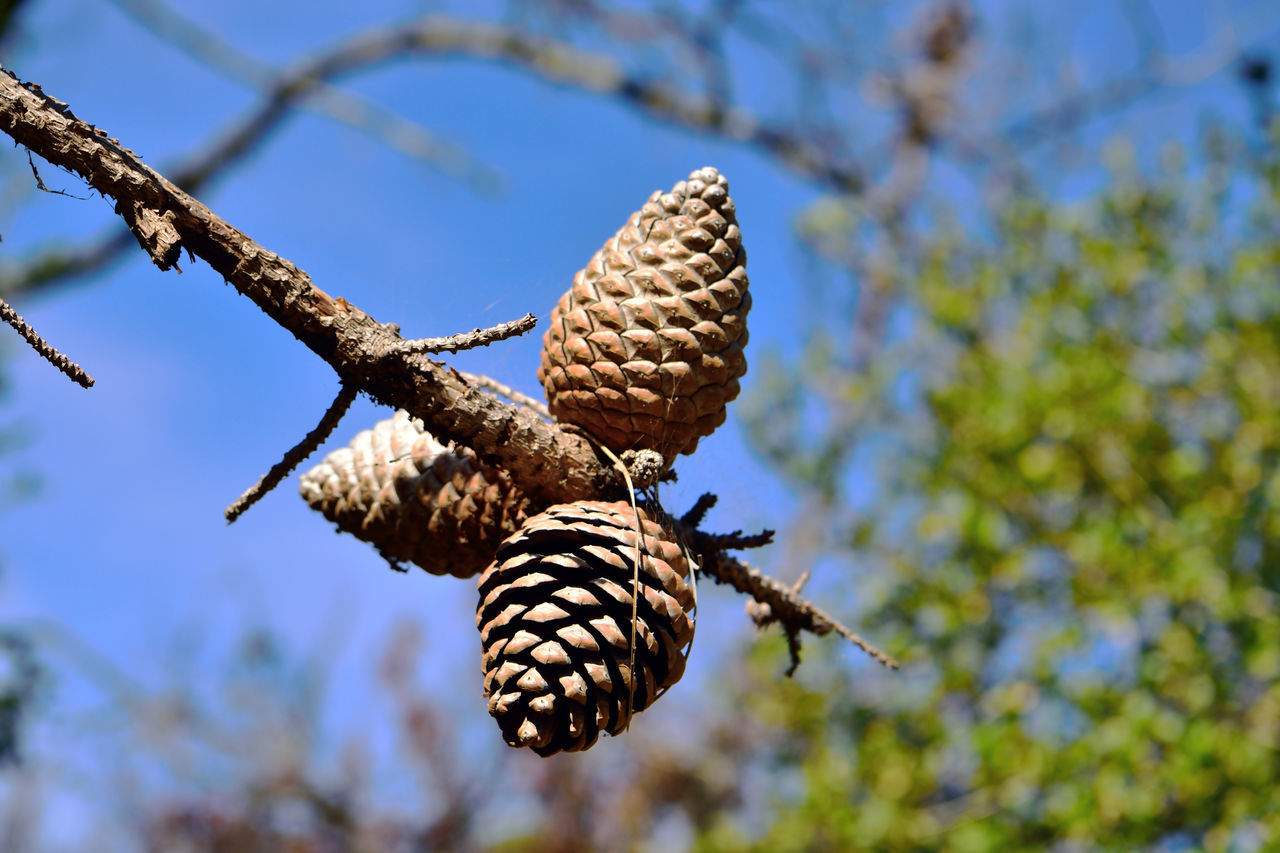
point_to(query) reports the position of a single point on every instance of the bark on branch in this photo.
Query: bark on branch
(46, 350)
(550, 464)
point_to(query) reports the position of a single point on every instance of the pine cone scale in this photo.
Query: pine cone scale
(415, 499)
(572, 626)
(624, 326)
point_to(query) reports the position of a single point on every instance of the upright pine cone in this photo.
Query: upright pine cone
(645, 349)
(417, 500)
(555, 624)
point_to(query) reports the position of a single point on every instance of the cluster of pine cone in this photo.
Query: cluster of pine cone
(585, 609)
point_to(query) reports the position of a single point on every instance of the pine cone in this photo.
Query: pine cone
(555, 624)
(417, 500)
(645, 349)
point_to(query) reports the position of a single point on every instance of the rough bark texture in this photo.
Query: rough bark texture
(550, 463)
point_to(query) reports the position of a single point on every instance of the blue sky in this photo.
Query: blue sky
(198, 392)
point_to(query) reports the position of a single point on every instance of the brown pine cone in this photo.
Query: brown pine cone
(555, 624)
(645, 349)
(415, 499)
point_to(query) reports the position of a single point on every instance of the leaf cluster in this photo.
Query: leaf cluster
(1074, 535)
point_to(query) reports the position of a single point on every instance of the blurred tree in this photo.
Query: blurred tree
(1075, 536)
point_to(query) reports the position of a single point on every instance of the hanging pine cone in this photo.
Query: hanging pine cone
(417, 500)
(555, 624)
(645, 349)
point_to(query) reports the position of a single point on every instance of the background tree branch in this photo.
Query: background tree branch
(441, 37)
(921, 93)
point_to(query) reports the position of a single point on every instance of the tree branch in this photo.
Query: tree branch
(785, 604)
(551, 465)
(443, 37)
(300, 451)
(46, 350)
(473, 339)
(336, 104)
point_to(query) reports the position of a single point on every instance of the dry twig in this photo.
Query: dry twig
(46, 350)
(473, 339)
(40, 185)
(794, 613)
(739, 541)
(693, 518)
(300, 451)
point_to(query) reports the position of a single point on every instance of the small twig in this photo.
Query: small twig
(46, 350)
(763, 615)
(739, 541)
(297, 453)
(786, 606)
(40, 182)
(321, 97)
(471, 340)
(487, 383)
(793, 649)
(693, 518)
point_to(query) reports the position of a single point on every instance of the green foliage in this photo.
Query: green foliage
(21, 678)
(21, 673)
(1075, 540)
